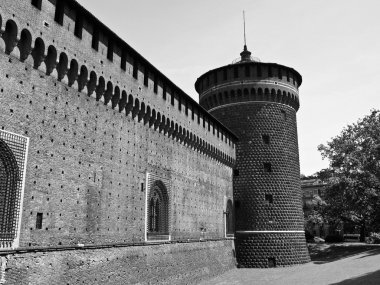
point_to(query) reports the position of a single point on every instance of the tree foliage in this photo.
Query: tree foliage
(314, 212)
(354, 174)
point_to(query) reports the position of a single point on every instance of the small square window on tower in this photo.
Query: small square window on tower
(267, 167)
(269, 198)
(271, 262)
(39, 221)
(266, 139)
(283, 113)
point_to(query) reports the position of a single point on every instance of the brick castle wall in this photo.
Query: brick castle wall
(182, 263)
(87, 162)
(82, 67)
(95, 131)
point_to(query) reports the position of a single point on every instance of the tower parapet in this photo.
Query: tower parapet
(258, 102)
(74, 47)
(249, 80)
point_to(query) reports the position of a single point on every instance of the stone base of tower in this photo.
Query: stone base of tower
(275, 249)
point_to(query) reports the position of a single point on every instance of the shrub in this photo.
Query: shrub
(334, 238)
(374, 238)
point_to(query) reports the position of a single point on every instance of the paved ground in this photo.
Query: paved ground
(344, 264)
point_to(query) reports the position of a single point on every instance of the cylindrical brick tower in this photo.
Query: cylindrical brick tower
(258, 101)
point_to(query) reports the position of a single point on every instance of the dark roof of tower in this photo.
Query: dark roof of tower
(246, 58)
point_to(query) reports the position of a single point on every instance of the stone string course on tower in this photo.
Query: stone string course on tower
(123, 177)
(258, 101)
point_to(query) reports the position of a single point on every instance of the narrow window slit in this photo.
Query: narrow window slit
(39, 221)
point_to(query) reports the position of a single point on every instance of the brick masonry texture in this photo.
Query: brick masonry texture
(87, 162)
(89, 158)
(102, 121)
(254, 250)
(182, 263)
(250, 121)
(99, 68)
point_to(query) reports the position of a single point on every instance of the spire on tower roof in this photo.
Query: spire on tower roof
(245, 54)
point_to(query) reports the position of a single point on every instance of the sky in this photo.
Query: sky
(334, 45)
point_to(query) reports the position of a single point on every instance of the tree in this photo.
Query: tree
(354, 174)
(314, 212)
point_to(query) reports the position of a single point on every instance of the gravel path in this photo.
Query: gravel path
(345, 265)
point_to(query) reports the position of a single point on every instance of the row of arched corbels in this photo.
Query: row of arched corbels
(48, 61)
(255, 94)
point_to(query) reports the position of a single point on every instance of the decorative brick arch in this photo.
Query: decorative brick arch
(9, 194)
(230, 224)
(158, 207)
(158, 210)
(13, 152)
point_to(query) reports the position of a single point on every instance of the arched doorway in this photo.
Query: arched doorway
(10, 192)
(158, 212)
(230, 229)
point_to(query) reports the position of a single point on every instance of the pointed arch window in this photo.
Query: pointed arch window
(154, 214)
(158, 212)
(229, 219)
(12, 170)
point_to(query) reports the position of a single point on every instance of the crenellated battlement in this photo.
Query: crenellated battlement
(114, 155)
(65, 41)
(249, 81)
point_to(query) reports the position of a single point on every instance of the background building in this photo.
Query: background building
(313, 193)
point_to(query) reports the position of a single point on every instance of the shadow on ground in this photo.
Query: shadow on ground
(372, 278)
(324, 253)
